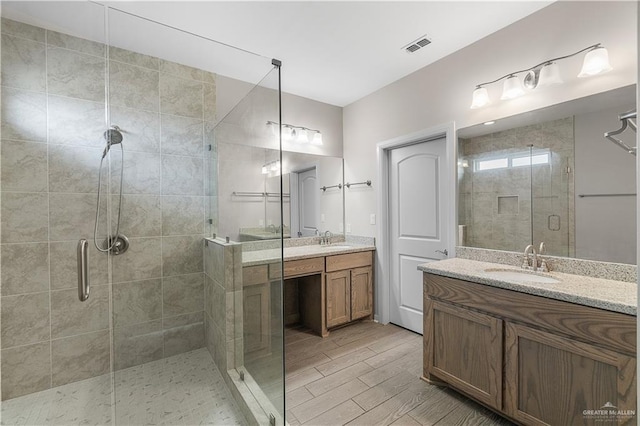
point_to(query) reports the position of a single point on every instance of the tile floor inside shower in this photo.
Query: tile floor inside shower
(185, 389)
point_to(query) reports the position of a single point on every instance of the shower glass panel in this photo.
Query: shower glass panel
(495, 191)
(553, 186)
(167, 93)
(54, 346)
(247, 151)
(89, 92)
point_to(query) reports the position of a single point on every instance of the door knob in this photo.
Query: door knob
(444, 252)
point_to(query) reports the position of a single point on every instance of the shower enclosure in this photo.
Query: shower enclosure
(112, 126)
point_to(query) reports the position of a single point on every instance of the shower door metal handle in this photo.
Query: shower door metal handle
(83, 271)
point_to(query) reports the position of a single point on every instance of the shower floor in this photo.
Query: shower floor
(185, 389)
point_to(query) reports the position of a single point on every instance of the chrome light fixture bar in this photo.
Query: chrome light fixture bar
(299, 134)
(546, 73)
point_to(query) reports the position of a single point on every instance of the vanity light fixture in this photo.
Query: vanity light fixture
(546, 73)
(297, 134)
(271, 167)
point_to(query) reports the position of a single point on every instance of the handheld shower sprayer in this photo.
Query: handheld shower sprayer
(115, 243)
(113, 136)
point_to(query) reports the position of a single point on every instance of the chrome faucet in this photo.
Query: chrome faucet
(527, 264)
(544, 265)
(327, 237)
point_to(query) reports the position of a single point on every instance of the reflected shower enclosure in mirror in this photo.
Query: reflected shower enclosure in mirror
(550, 175)
(249, 193)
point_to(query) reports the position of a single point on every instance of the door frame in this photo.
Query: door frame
(383, 281)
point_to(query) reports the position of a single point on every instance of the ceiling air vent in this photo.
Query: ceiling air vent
(417, 44)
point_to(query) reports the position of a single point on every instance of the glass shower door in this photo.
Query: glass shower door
(56, 349)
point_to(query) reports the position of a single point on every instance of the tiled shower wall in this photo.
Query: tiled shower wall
(495, 205)
(53, 117)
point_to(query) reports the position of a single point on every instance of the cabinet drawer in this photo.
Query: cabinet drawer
(252, 275)
(293, 268)
(348, 261)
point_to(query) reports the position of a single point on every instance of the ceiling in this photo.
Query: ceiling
(334, 52)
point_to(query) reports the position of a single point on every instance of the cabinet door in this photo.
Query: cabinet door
(338, 293)
(257, 321)
(466, 351)
(361, 292)
(553, 380)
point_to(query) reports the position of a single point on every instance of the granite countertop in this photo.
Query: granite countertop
(617, 296)
(260, 257)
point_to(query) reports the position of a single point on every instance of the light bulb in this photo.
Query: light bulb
(301, 136)
(596, 61)
(317, 139)
(264, 170)
(275, 166)
(480, 98)
(549, 75)
(512, 88)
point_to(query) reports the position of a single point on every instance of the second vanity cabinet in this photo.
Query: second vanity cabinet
(536, 360)
(349, 287)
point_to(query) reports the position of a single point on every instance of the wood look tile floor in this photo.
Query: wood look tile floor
(368, 374)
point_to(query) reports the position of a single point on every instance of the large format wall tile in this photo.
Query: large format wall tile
(209, 107)
(182, 294)
(182, 255)
(23, 30)
(76, 122)
(137, 302)
(182, 175)
(24, 115)
(24, 217)
(179, 70)
(138, 344)
(74, 169)
(141, 172)
(74, 43)
(133, 87)
(141, 129)
(141, 215)
(26, 369)
(141, 261)
(182, 215)
(72, 216)
(182, 135)
(70, 316)
(79, 357)
(75, 75)
(25, 268)
(180, 97)
(23, 64)
(183, 333)
(64, 265)
(24, 166)
(133, 58)
(25, 319)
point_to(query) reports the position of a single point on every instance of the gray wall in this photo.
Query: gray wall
(605, 227)
(441, 92)
(53, 102)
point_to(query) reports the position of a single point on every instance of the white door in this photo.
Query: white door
(308, 204)
(417, 224)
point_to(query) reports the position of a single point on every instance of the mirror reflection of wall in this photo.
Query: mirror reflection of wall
(551, 176)
(249, 194)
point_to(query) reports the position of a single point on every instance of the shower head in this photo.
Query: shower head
(113, 136)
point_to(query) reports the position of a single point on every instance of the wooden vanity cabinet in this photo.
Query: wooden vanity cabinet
(551, 379)
(349, 292)
(256, 289)
(536, 360)
(467, 351)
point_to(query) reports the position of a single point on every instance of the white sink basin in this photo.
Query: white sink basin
(520, 276)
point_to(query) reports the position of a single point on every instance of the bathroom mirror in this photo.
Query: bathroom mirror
(249, 194)
(551, 176)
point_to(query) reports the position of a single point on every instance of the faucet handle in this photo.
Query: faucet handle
(542, 248)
